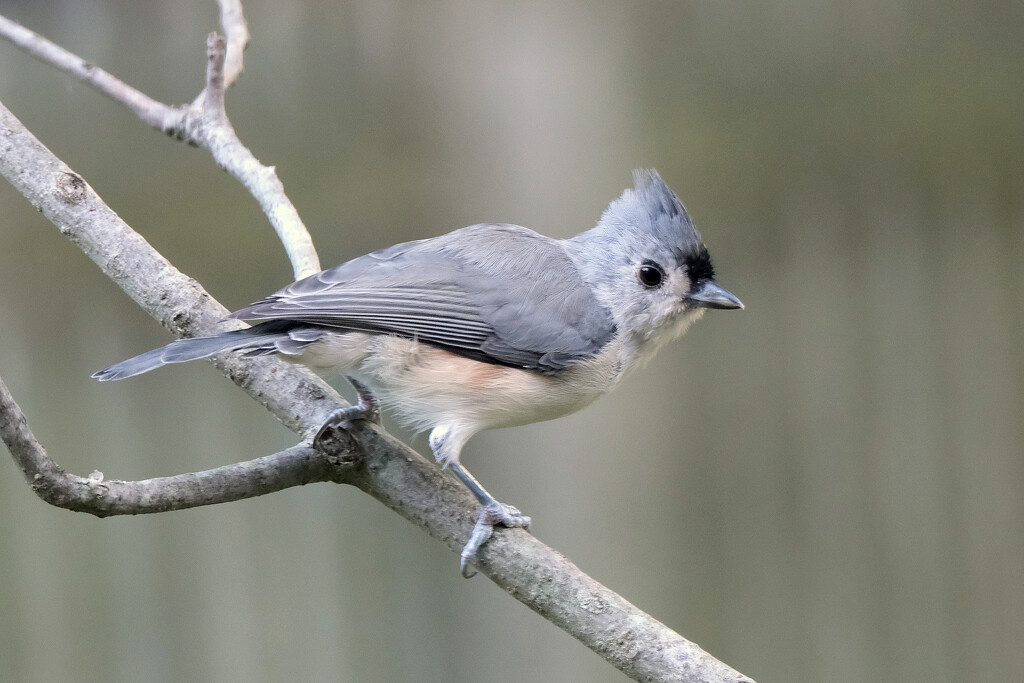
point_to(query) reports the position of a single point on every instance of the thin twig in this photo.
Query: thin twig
(204, 123)
(156, 114)
(214, 132)
(237, 32)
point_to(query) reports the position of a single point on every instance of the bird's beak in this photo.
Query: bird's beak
(710, 295)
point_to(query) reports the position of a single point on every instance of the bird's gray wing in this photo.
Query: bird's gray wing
(497, 293)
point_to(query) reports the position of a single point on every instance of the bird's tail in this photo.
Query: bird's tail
(263, 339)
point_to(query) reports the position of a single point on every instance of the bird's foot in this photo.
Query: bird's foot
(368, 408)
(491, 514)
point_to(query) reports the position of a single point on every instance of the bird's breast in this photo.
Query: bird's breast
(428, 386)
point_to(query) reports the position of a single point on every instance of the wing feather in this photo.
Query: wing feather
(498, 293)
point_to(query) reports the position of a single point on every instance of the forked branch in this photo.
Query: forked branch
(203, 123)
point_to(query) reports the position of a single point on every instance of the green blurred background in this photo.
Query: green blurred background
(828, 486)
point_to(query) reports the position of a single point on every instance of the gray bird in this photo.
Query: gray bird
(489, 326)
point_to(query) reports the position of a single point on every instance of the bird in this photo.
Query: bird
(492, 325)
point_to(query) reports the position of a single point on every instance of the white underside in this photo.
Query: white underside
(428, 387)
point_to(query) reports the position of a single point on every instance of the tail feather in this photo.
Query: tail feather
(263, 339)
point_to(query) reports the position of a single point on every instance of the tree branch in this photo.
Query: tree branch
(146, 108)
(237, 32)
(204, 123)
(295, 466)
(366, 457)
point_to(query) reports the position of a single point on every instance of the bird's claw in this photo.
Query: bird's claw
(366, 409)
(498, 513)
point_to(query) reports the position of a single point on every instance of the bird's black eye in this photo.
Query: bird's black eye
(650, 274)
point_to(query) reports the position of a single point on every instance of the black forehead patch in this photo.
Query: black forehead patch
(698, 264)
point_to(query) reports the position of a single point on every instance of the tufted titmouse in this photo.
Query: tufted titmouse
(488, 326)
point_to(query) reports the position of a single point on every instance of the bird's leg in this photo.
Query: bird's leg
(446, 450)
(491, 513)
(366, 409)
